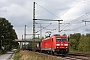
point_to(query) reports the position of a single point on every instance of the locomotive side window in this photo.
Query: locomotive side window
(60, 39)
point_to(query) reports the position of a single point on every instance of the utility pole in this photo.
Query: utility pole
(25, 33)
(40, 31)
(22, 37)
(59, 26)
(34, 21)
(85, 21)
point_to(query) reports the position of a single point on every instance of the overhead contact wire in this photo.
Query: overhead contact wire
(71, 8)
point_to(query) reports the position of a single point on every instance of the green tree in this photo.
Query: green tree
(73, 44)
(84, 44)
(88, 41)
(64, 35)
(75, 37)
(7, 34)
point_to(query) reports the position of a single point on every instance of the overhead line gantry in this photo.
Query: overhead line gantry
(34, 19)
(85, 21)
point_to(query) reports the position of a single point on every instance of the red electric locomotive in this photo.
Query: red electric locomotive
(55, 44)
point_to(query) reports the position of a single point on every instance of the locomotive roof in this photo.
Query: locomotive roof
(52, 36)
(56, 35)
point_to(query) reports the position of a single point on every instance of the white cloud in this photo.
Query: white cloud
(20, 13)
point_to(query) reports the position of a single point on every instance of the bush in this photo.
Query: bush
(2, 52)
(16, 56)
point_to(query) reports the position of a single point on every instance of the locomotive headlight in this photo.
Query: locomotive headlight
(57, 44)
(65, 44)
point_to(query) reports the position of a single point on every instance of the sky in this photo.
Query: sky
(20, 13)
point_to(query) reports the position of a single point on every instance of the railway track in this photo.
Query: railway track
(71, 56)
(75, 56)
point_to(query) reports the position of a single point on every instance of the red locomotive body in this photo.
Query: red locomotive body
(55, 44)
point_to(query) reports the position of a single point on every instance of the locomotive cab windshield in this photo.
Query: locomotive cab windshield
(61, 40)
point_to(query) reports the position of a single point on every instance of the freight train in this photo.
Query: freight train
(54, 45)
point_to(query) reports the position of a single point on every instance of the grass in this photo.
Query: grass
(29, 55)
(16, 56)
(76, 51)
